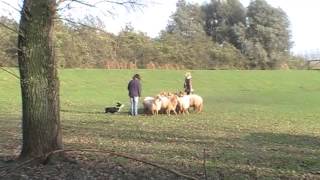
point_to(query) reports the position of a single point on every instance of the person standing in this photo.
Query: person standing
(134, 88)
(188, 83)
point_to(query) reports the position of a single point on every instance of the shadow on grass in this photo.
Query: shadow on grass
(125, 112)
(257, 155)
(286, 152)
(81, 112)
(299, 141)
(93, 112)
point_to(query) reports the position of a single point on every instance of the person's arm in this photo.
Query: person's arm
(139, 89)
(191, 89)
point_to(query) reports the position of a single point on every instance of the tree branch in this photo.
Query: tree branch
(85, 25)
(16, 76)
(11, 29)
(125, 3)
(4, 2)
(83, 3)
(60, 1)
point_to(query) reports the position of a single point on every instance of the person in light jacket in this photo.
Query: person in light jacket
(134, 88)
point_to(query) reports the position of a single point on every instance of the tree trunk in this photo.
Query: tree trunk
(39, 79)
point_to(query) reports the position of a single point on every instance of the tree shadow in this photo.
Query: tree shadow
(95, 112)
(299, 141)
(81, 112)
(123, 112)
(286, 152)
(273, 155)
(265, 153)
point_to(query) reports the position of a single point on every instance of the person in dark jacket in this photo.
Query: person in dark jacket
(188, 83)
(134, 88)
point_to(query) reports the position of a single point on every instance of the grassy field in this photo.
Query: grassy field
(255, 124)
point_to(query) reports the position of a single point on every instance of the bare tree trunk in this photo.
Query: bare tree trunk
(39, 79)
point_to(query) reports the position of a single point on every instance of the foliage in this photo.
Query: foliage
(82, 46)
(222, 19)
(186, 41)
(186, 21)
(8, 55)
(270, 27)
(261, 32)
(296, 62)
(135, 47)
(196, 37)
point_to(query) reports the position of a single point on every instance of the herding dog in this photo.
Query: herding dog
(114, 109)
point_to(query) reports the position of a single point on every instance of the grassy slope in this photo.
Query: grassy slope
(261, 124)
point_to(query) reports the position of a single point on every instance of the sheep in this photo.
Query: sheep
(169, 102)
(147, 103)
(152, 105)
(172, 105)
(164, 102)
(183, 104)
(196, 102)
(156, 105)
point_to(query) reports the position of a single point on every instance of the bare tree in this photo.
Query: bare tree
(39, 78)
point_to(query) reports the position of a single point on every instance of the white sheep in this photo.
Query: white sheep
(183, 104)
(196, 102)
(151, 105)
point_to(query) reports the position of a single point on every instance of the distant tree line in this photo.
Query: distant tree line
(222, 34)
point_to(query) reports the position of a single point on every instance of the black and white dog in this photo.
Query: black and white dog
(114, 109)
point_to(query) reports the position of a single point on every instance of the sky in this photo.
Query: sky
(154, 17)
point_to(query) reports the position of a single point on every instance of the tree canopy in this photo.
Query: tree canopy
(216, 35)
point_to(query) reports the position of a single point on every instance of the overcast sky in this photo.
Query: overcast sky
(153, 18)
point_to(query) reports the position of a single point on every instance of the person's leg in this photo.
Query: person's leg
(136, 103)
(132, 106)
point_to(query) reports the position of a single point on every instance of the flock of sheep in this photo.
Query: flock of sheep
(167, 102)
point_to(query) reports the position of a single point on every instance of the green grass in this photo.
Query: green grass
(255, 124)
